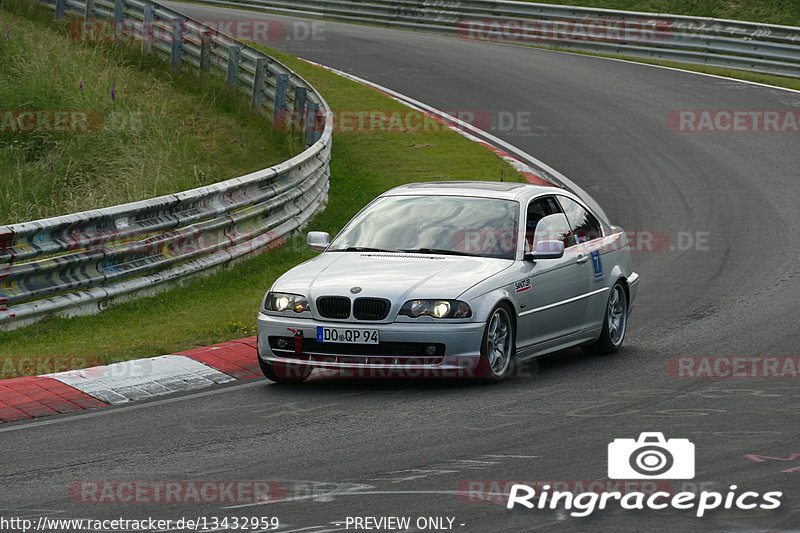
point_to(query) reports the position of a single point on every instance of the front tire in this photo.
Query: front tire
(615, 323)
(498, 348)
(280, 373)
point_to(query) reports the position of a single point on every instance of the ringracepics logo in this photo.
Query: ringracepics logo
(650, 456)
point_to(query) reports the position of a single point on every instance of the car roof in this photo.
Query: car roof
(487, 189)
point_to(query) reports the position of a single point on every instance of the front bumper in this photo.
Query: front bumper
(401, 349)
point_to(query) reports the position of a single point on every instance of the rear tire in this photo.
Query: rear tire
(498, 348)
(280, 373)
(615, 323)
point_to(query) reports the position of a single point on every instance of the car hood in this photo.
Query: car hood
(395, 276)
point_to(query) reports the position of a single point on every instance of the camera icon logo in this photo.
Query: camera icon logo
(651, 457)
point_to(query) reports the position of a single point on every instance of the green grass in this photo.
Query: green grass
(224, 306)
(162, 133)
(786, 12)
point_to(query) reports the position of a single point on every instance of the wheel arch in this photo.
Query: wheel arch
(618, 275)
(509, 305)
(626, 288)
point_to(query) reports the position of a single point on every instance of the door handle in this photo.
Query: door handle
(582, 259)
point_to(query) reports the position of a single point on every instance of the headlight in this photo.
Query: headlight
(281, 301)
(436, 309)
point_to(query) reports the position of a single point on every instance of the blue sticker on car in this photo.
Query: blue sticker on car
(597, 264)
(319, 333)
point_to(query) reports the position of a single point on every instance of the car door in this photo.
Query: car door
(550, 290)
(587, 240)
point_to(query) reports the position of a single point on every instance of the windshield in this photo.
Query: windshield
(456, 225)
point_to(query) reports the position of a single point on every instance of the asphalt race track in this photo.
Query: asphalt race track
(400, 448)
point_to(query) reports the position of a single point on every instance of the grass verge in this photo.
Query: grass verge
(161, 132)
(224, 306)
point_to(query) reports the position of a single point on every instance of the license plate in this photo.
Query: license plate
(349, 336)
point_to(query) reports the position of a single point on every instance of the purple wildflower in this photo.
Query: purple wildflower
(113, 92)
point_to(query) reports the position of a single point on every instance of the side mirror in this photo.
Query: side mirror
(547, 250)
(318, 240)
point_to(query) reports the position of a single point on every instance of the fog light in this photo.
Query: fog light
(282, 343)
(430, 349)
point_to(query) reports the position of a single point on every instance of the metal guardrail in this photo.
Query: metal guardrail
(81, 263)
(762, 48)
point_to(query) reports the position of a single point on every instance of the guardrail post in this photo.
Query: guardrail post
(176, 48)
(205, 50)
(258, 85)
(300, 95)
(60, 7)
(119, 11)
(233, 65)
(147, 29)
(317, 133)
(279, 109)
(310, 124)
(88, 13)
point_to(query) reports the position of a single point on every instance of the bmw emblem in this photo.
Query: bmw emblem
(355, 290)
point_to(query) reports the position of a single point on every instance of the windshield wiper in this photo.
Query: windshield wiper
(438, 251)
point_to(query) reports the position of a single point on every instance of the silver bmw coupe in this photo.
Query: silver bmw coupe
(451, 279)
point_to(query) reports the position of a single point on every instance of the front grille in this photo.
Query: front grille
(371, 308)
(333, 306)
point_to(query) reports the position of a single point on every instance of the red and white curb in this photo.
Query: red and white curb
(139, 379)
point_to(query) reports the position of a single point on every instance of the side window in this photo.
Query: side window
(541, 225)
(585, 226)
